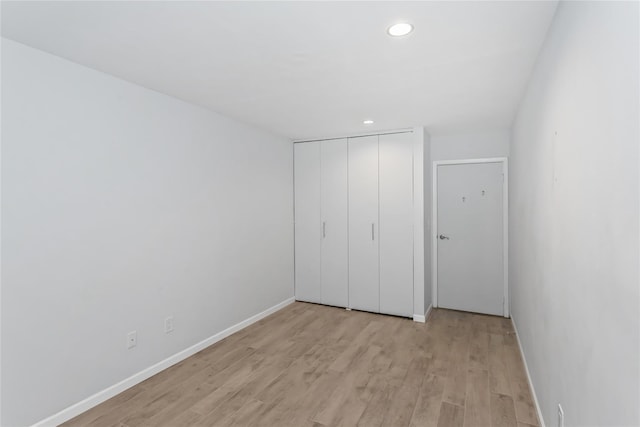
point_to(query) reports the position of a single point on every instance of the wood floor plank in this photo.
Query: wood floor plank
(400, 405)
(442, 328)
(477, 410)
(317, 366)
(315, 397)
(427, 408)
(523, 403)
(498, 376)
(479, 345)
(373, 414)
(450, 415)
(341, 392)
(245, 416)
(186, 418)
(503, 413)
(350, 354)
(456, 389)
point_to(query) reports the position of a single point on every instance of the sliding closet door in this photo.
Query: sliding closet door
(308, 228)
(335, 240)
(396, 224)
(363, 224)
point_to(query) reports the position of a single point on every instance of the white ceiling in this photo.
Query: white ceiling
(306, 69)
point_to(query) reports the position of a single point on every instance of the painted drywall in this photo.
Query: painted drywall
(574, 217)
(428, 299)
(470, 145)
(419, 272)
(122, 206)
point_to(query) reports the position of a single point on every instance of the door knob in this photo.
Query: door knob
(443, 237)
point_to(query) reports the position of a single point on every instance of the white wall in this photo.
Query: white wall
(121, 206)
(419, 272)
(574, 217)
(422, 212)
(470, 145)
(428, 172)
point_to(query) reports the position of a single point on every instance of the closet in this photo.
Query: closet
(321, 240)
(354, 222)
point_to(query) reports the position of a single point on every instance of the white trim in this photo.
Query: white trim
(469, 161)
(356, 135)
(505, 235)
(418, 273)
(420, 318)
(427, 313)
(505, 224)
(526, 369)
(434, 232)
(94, 400)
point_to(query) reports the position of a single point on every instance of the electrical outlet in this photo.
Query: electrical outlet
(168, 324)
(560, 416)
(132, 339)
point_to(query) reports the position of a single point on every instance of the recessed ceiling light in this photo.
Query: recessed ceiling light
(400, 29)
(368, 122)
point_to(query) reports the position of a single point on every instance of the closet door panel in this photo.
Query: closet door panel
(335, 240)
(308, 230)
(396, 224)
(363, 224)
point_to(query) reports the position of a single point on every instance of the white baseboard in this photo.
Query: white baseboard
(422, 318)
(526, 368)
(108, 393)
(428, 312)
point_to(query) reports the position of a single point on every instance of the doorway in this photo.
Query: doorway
(470, 235)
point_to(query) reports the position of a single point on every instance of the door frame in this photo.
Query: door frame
(505, 224)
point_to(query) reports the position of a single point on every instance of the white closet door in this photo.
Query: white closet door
(363, 224)
(308, 230)
(396, 224)
(335, 240)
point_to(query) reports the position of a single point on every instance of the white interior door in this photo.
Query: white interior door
(334, 260)
(307, 228)
(363, 224)
(470, 254)
(396, 223)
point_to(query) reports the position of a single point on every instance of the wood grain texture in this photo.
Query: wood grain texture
(311, 365)
(450, 415)
(503, 412)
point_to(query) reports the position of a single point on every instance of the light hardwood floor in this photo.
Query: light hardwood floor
(311, 365)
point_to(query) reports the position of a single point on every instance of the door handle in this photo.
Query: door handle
(443, 237)
(324, 229)
(373, 235)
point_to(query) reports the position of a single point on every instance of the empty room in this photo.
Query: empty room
(309, 213)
